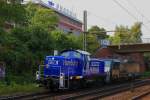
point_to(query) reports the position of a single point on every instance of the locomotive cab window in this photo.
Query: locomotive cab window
(71, 54)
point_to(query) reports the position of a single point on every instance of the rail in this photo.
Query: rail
(94, 95)
(31, 96)
(67, 95)
(141, 96)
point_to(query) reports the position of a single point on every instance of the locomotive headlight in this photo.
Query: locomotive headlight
(61, 77)
(71, 77)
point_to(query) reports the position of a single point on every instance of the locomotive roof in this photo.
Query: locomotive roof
(83, 52)
(80, 51)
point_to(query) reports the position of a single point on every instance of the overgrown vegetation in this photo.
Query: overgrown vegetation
(18, 89)
(28, 39)
(146, 74)
(124, 34)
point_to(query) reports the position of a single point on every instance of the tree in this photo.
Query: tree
(64, 41)
(99, 32)
(24, 48)
(123, 34)
(41, 42)
(92, 43)
(136, 32)
(12, 13)
(43, 17)
(14, 1)
(95, 34)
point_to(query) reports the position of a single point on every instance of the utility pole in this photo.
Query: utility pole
(84, 29)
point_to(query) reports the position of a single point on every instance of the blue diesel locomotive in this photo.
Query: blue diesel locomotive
(73, 69)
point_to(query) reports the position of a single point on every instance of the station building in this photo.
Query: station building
(68, 21)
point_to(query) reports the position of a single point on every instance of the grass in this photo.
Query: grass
(146, 74)
(18, 89)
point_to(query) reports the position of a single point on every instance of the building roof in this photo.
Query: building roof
(128, 48)
(58, 11)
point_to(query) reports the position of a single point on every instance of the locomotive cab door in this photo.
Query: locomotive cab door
(86, 68)
(64, 79)
(107, 70)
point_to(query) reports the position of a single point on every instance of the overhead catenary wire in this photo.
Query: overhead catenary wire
(129, 13)
(137, 10)
(140, 13)
(101, 18)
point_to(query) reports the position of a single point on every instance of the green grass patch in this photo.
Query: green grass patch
(18, 89)
(146, 74)
(13, 84)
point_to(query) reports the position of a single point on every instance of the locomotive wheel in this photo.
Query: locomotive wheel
(74, 84)
(83, 83)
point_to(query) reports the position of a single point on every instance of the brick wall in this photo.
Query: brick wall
(134, 57)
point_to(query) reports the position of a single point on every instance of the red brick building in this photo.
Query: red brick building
(114, 52)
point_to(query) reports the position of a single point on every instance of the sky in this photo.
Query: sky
(108, 13)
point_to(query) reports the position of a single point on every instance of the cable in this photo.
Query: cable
(132, 15)
(138, 11)
(102, 18)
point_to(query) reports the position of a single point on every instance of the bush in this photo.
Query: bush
(146, 74)
(17, 88)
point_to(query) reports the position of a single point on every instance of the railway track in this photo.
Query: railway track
(77, 94)
(139, 97)
(32, 96)
(99, 93)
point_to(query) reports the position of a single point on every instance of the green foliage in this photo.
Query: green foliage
(146, 74)
(16, 88)
(65, 41)
(99, 32)
(45, 18)
(123, 34)
(136, 32)
(12, 12)
(92, 43)
(25, 46)
(30, 11)
(38, 16)
(95, 34)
